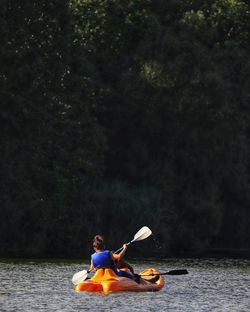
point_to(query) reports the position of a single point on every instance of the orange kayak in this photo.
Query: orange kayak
(106, 281)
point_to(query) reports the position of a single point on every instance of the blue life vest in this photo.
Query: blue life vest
(102, 260)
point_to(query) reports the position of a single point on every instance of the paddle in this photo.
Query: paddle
(80, 276)
(143, 233)
(172, 272)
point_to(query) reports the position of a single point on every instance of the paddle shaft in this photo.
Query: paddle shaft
(120, 249)
(172, 272)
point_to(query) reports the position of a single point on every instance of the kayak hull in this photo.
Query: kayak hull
(106, 281)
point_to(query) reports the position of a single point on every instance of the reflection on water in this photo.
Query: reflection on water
(211, 285)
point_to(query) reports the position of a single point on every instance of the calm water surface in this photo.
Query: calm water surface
(211, 285)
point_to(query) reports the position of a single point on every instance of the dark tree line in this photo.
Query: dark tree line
(118, 114)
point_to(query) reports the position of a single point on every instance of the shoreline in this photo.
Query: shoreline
(213, 253)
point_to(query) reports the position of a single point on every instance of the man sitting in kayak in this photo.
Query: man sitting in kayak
(103, 258)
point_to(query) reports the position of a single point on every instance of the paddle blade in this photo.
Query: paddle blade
(175, 272)
(79, 277)
(143, 233)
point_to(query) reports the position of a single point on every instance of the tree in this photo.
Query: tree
(52, 143)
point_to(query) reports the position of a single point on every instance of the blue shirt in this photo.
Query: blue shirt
(102, 259)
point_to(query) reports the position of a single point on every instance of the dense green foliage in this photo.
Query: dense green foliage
(118, 114)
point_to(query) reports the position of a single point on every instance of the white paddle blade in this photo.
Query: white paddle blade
(79, 277)
(143, 233)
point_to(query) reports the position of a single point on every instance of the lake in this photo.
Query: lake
(211, 285)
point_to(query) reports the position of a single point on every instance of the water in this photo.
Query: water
(211, 285)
